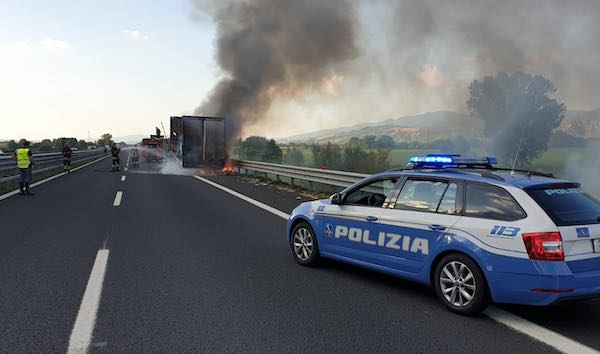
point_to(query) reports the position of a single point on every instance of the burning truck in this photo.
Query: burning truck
(199, 142)
(153, 148)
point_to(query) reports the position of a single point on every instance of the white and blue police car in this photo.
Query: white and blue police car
(474, 232)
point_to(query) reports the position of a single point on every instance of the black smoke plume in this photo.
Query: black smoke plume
(270, 48)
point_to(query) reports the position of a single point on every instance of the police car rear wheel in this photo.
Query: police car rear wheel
(304, 244)
(460, 284)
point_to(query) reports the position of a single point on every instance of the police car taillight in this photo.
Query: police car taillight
(544, 246)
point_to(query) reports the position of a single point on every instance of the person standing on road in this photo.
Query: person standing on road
(115, 151)
(135, 157)
(25, 163)
(67, 153)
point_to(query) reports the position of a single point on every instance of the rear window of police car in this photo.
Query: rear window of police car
(567, 205)
(491, 202)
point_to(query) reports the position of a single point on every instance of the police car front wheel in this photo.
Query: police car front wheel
(460, 284)
(304, 244)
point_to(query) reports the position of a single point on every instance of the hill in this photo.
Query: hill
(436, 125)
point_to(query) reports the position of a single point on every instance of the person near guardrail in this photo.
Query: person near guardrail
(67, 153)
(25, 163)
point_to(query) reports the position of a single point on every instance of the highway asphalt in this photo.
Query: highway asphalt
(195, 269)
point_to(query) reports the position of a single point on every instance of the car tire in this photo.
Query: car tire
(460, 284)
(303, 243)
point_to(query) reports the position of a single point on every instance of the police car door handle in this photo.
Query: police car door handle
(437, 227)
(371, 218)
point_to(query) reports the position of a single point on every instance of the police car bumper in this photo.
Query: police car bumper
(544, 283)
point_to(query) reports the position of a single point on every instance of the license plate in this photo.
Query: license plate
(596, 245)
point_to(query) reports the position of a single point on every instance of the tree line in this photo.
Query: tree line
(357, 155)
(57, 144)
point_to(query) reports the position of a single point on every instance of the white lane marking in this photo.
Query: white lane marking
(508, 319)
(81, 336)
(123, 178)
(118, 198)
(245, 198)
(544, 335)
(16, 191)
(126, 169)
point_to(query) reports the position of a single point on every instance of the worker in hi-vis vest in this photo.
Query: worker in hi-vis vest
(25, 163)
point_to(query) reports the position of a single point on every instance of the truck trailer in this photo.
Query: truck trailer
(199, 141)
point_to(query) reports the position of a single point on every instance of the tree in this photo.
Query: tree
(369, 141)
(355, 141)
(11, 146)
(258, 148)
(105, 139)
(272, 152)
(358, 159)
(518, 113)
(294, 157)
(355, 158)
(384, 142)
(82, 145)
(327, 156)
(45, 145)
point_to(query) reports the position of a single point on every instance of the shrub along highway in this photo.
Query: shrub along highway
(176, 264)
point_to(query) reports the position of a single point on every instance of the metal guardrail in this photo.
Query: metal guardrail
(316, 175)
(44, 162)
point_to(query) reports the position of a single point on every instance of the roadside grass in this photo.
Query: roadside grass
(10, 186)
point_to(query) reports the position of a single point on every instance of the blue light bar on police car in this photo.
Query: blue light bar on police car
(433, 160)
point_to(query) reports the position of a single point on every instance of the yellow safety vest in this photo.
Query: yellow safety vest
(23, 160)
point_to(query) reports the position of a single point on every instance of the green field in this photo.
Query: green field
(400, 157)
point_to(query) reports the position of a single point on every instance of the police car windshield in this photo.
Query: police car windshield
(567, 205)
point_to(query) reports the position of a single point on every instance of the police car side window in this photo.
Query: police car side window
(491, 202)
(373, 194)
(421, 195)
(448, 203)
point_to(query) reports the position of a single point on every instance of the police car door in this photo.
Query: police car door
(425, 209)
(350, 229)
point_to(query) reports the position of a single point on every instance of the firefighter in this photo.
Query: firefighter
(115, 151)
(135, 157)
(67, 153)
(25, 163)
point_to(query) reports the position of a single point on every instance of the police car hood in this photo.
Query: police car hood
(311, 206)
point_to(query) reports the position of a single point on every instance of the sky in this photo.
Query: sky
(79, 68)
(87, 67)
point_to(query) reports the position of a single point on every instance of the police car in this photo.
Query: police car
(473, 232)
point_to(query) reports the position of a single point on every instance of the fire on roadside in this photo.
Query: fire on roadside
(229, 166)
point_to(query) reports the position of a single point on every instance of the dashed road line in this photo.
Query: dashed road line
(81, 335)
(123, 178)
(519, 324)
(118, 198)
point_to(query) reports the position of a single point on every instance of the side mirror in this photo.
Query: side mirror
(336, 199)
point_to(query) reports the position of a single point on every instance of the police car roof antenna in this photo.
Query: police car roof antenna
(514, 164)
